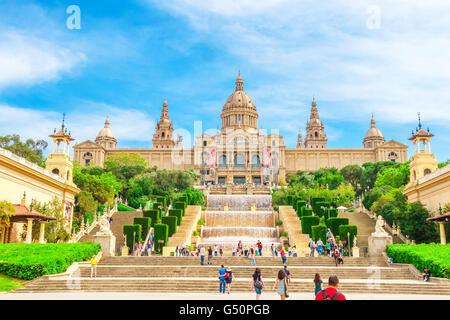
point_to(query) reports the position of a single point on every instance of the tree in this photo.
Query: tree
(124, 165)
(414, 223)
(393, 176)
(352, 174)
(6, 210)
(86, 202)
(30, 149)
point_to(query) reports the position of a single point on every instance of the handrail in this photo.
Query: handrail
(150, 232)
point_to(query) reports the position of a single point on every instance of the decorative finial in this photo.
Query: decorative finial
(64, 118)
(24, 194)
(420, 124)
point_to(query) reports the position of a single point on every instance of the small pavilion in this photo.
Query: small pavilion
(24, 214)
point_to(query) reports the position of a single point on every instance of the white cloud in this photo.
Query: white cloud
(30, 60)
(127, 124)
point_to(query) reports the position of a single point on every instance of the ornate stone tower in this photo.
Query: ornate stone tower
(423, 162)
(374, 137)
(105, 137)
(239, 110)
(299, 140)
(59, 162)
(162, 139)
(315, 135)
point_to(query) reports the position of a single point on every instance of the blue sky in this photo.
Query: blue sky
(356, 57)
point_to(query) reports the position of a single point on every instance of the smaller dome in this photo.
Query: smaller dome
(373, 131)
(106, 132)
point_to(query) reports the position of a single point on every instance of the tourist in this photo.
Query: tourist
(288, 273)
(272, 250)
(221, 251)
(338, 258)
(94, 262)
(283, 256)
(312, 246)
(426, 274)
(149, 246)
(328, 246)
(294, 251)
(319, 246)
(276, 252)
(228, 279)
(240, 247)
(246, 251)
(216, 248)
(135, 249)
(252, 257)
(289, 251)
(317, 284)
(222, 272)
(210, 255)
(233, 252)
(140, 247)
(257, 283)
(259, 244)
(281, 284)
(341, 247)
(390, 260)
(202, 255)
(331, 293)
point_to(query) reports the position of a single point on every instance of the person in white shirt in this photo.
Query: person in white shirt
(202, 255)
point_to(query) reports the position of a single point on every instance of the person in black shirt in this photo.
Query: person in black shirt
(210, 255)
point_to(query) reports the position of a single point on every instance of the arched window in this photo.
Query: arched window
(162, 134)
(316, 134)
(426, 171)
(223, 161)
(256, 162)
(239, 160)
(55, 171)
(205, 158)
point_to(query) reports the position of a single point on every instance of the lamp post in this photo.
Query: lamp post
(349, 244)
(134, 237)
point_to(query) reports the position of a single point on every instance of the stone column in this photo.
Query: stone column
(442, 232)
(29, 229)
(42, 232)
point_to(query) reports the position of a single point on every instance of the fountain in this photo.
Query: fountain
(234, 218)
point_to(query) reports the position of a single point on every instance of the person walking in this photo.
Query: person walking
(233, 252)
(312, 246)
(331, 293)
(228, 279)
(202, 255)
(281, 284)
(283, 256)
(257, 283)
(289, 251)
(210, 255)
(221, 251)
(317, 284)
(271, 250)
(341, 247)
(222, 272)
(246, 251)
(216, 248)
(252, 257)
(288, 273)
(328, 246)
(94, 262)
(319, 246)
(259, 244)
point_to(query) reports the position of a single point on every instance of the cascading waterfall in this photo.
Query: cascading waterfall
(239, 223)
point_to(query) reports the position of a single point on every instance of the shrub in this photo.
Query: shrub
(177, 213)
(334, 223)
(308, 222)
(129, 230)
(180, 205)
(171, 221)
(289, 199)
(318, 208)
(29, 261)
(333, 213)
(195, 233)
(278, 223)
(351, 210)
(306, 212)
(298, 206)
(161, 233)
(145, 223)
(154, 215)
(201, 222)
(434, 256)
(344, 229)
(283, 234)
(319, 232)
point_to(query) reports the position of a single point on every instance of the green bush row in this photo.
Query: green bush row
(177, 213)
(345, 229)
(161, 233)
(319, 232)
(29, 261)
(154, 215)
(132, 231)
(171, 222)
(308, 222)
(333, 223)
(145, 223)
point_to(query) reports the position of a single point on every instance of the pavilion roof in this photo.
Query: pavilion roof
(441, 218)
(23, 212)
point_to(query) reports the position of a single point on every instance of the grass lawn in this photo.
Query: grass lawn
(9, 284)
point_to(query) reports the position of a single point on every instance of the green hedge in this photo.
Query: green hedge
(121, 207)
(177, 213)
(289, 199)
(306, 212)
(161, 233)
(334, 223)
(318, 208)
(344, 229)
(154, 215)
(180, 205)
(29, 261)
(319, 232)
(299, 205)
(171, 221)
(308, 222)
(128, 230)
(145, 223)
(333, 213)
(434, 256)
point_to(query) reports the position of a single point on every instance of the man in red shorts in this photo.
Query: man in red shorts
(331, 293)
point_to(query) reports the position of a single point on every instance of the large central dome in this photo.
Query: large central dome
(239, 110)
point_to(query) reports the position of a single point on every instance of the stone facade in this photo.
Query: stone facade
(240, 153)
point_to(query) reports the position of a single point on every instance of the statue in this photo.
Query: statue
(104, 225)
(355, 241)
(379, 225)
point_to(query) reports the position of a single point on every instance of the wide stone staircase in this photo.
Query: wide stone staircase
(184, 274)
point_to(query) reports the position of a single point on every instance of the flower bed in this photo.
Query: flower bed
(29, 261)
(435, 257)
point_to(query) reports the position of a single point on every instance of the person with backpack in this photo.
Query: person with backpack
(222, 273)
(317, 284)
(257, 283)
(312, 246)
(283, 256)
(281, 284)
(228, 279)
(252, 257)
(331, 293)
(338, 257)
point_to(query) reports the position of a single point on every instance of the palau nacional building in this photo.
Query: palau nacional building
(239, 153)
